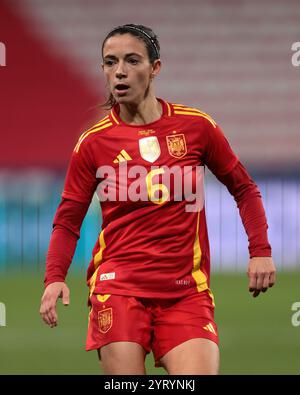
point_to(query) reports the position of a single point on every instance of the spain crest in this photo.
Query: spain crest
(177, 145)
(105, 319)
(149, 148)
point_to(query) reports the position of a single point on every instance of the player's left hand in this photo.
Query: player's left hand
(262, 274)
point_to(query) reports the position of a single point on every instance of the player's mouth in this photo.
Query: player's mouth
(121, 89)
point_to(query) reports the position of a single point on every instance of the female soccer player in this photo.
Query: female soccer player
(149, 277)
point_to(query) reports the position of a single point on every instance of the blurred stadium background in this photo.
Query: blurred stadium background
(231, 59)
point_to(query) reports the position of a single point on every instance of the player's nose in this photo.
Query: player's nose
(121, 71)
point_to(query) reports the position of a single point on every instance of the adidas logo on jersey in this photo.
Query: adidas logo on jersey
(122, 157)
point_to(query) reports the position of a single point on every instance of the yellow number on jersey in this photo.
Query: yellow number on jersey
(152, 188)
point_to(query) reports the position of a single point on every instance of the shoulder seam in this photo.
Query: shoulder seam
(103, 120)
(180, 109)
(103, 124)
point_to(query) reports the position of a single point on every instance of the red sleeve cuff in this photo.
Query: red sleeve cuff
(52, 280)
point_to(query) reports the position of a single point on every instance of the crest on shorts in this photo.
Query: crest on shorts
(149, 148)
(177, 145)
(105, 319)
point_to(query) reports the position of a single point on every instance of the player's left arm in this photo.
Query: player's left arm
(225, 165)
(261, 269)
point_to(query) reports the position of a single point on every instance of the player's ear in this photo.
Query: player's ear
(156, 68)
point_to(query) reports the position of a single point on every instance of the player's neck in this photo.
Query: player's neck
(147, 111)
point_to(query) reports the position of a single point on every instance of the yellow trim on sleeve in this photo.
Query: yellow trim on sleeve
(197, 114)
(182, 109)
(185, 108)
(178, 105)
(100, 123)
(103, 120)
(76, 149)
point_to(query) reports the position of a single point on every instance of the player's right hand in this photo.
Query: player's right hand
(48, 302)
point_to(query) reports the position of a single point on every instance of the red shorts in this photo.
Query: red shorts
(156, 324)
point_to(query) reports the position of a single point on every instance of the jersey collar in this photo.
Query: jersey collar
(114, 114)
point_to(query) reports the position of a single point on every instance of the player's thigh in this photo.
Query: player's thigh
(185, 333)
(120, 327)
(195, 356)
(122, 358)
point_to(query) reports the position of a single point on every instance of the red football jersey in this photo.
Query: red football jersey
(154, 240)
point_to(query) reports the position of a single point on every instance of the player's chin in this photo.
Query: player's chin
(122, 99)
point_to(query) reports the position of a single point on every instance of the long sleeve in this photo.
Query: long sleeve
(249, 203)
(66, 232)
(225, 165)
(79, 187)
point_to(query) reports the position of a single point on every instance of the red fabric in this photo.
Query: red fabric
(152, 250)
(158, 259)
(67, 223)
(252, 213)
(159, 324)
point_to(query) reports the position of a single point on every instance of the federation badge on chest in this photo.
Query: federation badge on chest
(105, 319)
(149, 148)
(177, 145)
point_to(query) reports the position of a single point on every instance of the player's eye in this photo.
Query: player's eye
(133, 61)
(108, 62)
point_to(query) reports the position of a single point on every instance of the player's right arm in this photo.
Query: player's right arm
(79, 188)
(66, 232)
(48, 303)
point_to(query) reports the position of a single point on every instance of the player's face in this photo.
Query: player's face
(127, 68)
